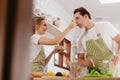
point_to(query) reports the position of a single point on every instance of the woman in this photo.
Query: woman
(37, 40)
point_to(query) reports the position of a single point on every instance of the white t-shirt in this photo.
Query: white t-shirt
(107, 31)
(34, 46)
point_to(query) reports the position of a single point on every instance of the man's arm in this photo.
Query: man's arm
(117, 56)
(83, 62)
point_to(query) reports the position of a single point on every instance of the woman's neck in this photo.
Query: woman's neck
(36, 32)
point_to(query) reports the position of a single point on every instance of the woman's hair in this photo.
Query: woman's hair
(82, 11)
(37, 21)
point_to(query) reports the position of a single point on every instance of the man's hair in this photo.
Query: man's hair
(82, 11)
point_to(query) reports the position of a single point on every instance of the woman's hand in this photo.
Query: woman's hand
(115, 59)
(72, 24)
(57, 51)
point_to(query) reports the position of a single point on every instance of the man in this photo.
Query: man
(95, 46)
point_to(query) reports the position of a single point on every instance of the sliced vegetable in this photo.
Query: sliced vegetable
(95, 72)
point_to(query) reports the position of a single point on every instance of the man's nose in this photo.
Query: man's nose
(76, 22)
(46, 27)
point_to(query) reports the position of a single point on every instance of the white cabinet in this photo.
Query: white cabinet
(53, 29)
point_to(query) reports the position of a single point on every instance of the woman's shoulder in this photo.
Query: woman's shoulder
(35, 35)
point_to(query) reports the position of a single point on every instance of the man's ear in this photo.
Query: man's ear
(85, 16)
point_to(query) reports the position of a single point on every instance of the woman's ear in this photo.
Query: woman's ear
(37, 27)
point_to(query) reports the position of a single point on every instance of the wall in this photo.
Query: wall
(117, 26)
(53, 8)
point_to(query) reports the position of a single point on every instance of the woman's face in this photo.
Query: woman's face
(42, 27)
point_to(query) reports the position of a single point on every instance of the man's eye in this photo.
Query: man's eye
(45, 24)
(76, 18)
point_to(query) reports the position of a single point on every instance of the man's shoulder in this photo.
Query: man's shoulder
(104, 23)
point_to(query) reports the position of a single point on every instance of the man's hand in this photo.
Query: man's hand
(85, 62)
(115, 59)
(88, 62)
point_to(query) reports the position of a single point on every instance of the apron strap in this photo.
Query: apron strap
(99, 35)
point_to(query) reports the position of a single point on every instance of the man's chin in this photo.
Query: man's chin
(80, 26)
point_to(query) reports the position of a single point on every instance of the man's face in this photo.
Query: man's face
(80, 20)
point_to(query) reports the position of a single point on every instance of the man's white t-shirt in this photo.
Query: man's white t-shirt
(34, 46)
(107, 31)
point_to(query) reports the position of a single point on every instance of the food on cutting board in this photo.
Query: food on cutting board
(50, 73)
(64, 74)
(59, 74)
(95, 72)
(36, 74)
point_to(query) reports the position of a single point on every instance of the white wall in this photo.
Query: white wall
(54, 9)
(117, 26)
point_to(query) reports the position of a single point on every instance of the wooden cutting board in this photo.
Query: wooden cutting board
(62, 78)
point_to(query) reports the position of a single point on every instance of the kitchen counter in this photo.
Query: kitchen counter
(62, 78)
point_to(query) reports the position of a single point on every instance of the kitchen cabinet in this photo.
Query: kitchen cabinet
(62, 59)
(52, 29)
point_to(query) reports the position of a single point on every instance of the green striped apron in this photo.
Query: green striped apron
(100, 53)
(39, 62)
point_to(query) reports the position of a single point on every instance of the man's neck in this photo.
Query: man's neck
(89, 25)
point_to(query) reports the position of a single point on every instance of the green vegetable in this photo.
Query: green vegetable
(95, 72)
(93, 69)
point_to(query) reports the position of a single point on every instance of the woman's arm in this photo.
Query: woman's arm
(51, 54)
(57, 39)
(117, 56)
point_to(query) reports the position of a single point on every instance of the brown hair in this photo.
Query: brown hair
(37, 21)
(82, 11)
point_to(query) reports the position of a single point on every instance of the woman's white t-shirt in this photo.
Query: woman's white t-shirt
(34, 46)
(107, 31)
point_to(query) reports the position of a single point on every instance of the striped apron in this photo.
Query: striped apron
(39, 62)
(100, 53)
